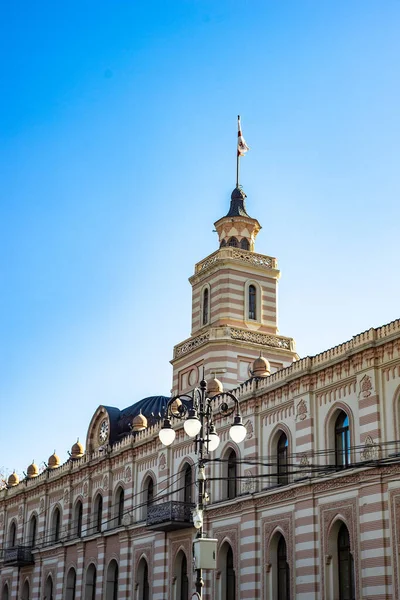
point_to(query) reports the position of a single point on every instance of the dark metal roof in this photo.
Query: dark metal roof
(238, 207)
(152, 408)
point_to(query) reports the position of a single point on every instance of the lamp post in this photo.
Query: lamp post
(197, 412)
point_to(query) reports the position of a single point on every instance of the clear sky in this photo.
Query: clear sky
(118, 142)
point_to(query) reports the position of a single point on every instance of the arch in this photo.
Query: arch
(25, 591)
(280, 449)
(91, 439)
(90, 582)
(244, 244)
(279, 581)
(119, 505)
(70, 590)
(5, 595)
(181, 577)
(222, 244)
(78, 518)
(98, 513)
(48, 588)
(148, 492)
(339, 456)
(112, 581)
(55, 532)
(396, 417)
(233, 242)
(340, 576)
(12, 534)
(229, 473)
(186, 483)
(252, 301)
(205, 304)
(227, 580)
(142, 580)
(32, 530)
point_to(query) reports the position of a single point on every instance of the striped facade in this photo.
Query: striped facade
(313, 490)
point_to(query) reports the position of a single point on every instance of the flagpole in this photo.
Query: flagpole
(237, 158)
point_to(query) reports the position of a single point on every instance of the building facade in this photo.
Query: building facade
(307, 507)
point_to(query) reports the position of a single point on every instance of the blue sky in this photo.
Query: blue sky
(117, 154)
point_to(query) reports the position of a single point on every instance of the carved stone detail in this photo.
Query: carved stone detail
(128, 474)
(371, 449)
(20, 513)
(192, 344)
(301, 410)
(249, 429)
(273, 341)
(85, 489)
(365, 386)
(162, 461)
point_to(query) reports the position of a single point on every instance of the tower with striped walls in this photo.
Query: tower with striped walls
(234, 308)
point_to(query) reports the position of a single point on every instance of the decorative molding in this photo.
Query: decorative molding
(254, 337)
(128, 474)
(249, 430)
(301, 410)
(191, 344)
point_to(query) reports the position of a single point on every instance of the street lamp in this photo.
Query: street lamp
(197, 412)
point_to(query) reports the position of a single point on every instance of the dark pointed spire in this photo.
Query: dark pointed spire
(238, 207)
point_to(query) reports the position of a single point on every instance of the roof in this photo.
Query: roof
(238, 208)
(152, 408)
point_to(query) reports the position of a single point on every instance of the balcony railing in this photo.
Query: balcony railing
(18, 556)
(170, 516)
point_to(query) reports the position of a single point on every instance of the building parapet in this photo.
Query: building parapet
(236, 255)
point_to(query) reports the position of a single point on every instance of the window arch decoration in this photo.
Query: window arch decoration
(55, 523)
(112, 580)
(32, 530)
(229, 471)
(119, 505)
(70, 590)
(244, 244)
(340, 569)
(90, 582)
(279, 568)
(222, 244)
(143, 579)
(252, 301)
(49, 588)
(205, 305)
(280, 469)
(26, 590)
(233, 242)
(77, 521)
(5, 593)
(186, 491)
(12, 534)
(330, 433)
(148, 492)
(181, 576)
(98, 513)
(226, 561)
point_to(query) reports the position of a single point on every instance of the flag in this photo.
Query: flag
(242, 147)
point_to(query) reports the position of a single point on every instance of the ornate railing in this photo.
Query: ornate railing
(175, 512)
(18, 556)
(236, 254)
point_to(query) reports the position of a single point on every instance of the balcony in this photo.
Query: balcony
(170, 516)
(18, 556)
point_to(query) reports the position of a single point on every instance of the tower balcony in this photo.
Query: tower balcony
(238, 256)
(18, 556)
(170, 516)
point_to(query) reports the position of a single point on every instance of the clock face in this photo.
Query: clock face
(103, 431)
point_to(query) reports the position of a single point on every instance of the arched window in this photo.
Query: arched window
(56, 525)
(148, 495)
(98, 513)
(244, 244)
(143, 580)
(5, 594)
(120, 499)
(181, 577)
(283, 574)
(252, 302)
(233, 242)
(48, 588)
(231, 484)
(112, 581)
(90, 584)
(345, 565)
(228, 576)
(187, 484)
(205, 306)
(222, 244)
(342, 440)
(282, 459)
(78, 518)
(32, 531)
(12, 535)
(71, 585)
(25, 591)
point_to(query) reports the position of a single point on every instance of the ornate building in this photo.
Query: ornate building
(307, 507)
